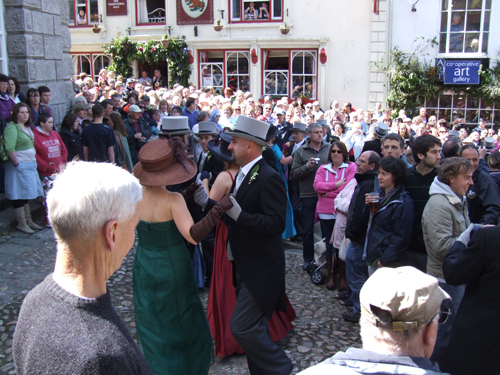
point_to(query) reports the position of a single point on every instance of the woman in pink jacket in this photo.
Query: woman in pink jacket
(330, 179)
(51, 154)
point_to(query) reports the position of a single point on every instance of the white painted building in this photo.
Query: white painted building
(327, 51)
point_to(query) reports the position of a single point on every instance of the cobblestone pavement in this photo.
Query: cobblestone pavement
(319, 330)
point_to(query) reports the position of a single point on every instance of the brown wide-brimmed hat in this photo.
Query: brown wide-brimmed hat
(159, 166)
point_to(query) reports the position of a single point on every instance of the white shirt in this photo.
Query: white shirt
(245, 169)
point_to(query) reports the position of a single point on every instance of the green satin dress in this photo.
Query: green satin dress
(172, 329)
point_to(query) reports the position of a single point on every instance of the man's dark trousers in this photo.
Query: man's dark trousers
(249, 324)
(308, 212)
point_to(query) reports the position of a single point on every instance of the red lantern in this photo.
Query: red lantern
(190, 57)
(255, 58)
(322, 56)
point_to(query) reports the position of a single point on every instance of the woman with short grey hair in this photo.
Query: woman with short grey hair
(67, 323)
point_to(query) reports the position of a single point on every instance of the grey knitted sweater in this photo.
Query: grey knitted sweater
(60, 333)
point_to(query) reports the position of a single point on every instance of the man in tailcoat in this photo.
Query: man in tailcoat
(255, 224)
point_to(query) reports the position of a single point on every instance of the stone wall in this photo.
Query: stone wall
(38, 44)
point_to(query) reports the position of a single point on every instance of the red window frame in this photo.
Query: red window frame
(242, 9)
(91, 62)
(89, 22)
(149, 23)
(290, 50)
(224, 68)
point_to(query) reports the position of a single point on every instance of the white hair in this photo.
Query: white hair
(382, 340)
(85, 196)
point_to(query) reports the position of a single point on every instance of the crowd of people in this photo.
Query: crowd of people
(389, 191)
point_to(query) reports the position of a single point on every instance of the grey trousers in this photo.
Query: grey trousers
(250, 328)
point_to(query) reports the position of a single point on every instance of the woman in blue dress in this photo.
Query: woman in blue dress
(281, 161)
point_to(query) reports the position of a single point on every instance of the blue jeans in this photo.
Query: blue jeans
(355, 272)
(308, 212)
(444, 331)
(326, 231)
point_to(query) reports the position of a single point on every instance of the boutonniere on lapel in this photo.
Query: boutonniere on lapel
(209, 156)
(254, 174)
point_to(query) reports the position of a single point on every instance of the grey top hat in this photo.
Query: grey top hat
(489, 143)
(250, 129)
(299, 127)
(207, 128)
(381, 129)
(322, 122)
(174, 125)
(453, 134)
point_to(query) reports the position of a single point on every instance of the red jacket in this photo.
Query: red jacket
(49, 149)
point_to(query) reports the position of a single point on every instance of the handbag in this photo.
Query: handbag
(121, 152)
(4, 155)
(344, 244)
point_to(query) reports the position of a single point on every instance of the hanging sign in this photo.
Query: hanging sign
(462, 72)
(194, 12)
(116, 7)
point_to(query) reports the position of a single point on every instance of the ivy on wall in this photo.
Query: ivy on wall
(412, 79)
(124, 51)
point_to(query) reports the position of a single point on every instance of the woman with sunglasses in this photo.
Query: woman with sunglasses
(330, 180)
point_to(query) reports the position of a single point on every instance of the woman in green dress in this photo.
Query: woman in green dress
(172, 329)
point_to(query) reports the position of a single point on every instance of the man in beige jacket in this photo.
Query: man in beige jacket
(444, 219)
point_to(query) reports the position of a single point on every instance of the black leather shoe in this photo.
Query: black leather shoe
(296, 238)
(351, 317)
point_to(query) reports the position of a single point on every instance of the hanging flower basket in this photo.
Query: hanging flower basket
(284, 30)
(165, 41)
(218, 27)
(126, 46)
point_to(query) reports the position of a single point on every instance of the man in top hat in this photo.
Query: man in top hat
(209, 168)
(400, 313)
(381, 130)
(175, 126)
(255, 225)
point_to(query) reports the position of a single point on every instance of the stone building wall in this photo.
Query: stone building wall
(38, 44)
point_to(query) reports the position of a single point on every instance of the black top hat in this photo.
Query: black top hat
(273, 132)
(218, 146)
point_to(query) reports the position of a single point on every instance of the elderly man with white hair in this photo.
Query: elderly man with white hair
(67, 324)
(400, 312)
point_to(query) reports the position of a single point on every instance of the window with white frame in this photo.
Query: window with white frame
(212, 69)
(451, 106)
(237, 75)
(290, 73)
(219, 69)
(249, 11)
(83, 13)
(90, 63)
(276, 72)
(150, 12)
(465, 26)
(304, 74)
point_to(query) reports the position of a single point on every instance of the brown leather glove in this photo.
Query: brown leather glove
(189, 192)
(201, 229)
